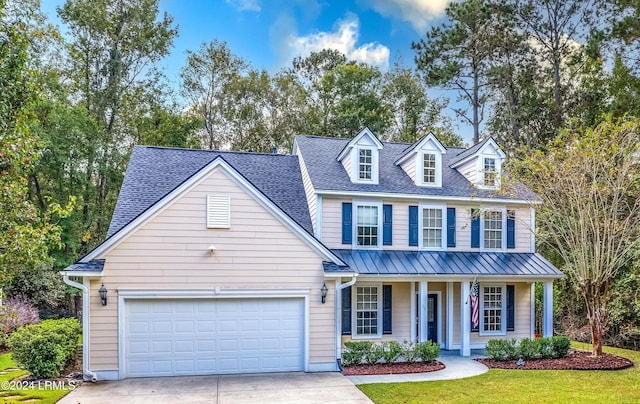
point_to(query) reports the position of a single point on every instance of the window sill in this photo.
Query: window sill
(365, 337)
(491, 333)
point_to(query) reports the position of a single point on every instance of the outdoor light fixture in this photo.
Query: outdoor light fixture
(212, 249)
(324, 290)
(103, 294)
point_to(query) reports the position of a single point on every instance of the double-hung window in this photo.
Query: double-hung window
(429, 169)
(433, 230)
(367, 226)
(365, 164)
(493, 309)
(490, 172)
(368, 310)
(493, 230)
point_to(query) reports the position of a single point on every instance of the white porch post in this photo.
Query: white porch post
(338, 330)
(422, 323)
(465, 320)
(548, 309)
(413, 312)
(532, 304)
(449, 327)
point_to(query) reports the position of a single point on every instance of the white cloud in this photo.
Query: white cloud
(245, 5)
(343, 38)
(417, 12)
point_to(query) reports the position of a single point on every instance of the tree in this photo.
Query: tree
(206, 79)
(26, 236)
(588, 180)
(455, 55)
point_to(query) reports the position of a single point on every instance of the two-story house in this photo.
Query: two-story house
(231, 262)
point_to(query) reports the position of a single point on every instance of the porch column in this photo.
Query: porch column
(465, 319)
(449, 328)
(413, 312)
(532, 305)
(422, 318)
(548, 309)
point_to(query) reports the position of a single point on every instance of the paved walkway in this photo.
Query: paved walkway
(457, 367)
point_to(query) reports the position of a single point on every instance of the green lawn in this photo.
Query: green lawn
(42, 392)
(521, 386)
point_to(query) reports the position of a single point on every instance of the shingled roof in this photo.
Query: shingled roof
(328, 174)
(153, 172)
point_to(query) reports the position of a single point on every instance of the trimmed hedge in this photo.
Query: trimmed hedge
(357, 352)
(539, 348)
(44, 349)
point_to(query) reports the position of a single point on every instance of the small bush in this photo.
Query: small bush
(496, 349)
(17, 312)
(528, 349)
(561, 345)
(391, 351)
(427, 351)
(355, 352)
(44, 349)
(374, 354)
(409, 351)
(544, 347)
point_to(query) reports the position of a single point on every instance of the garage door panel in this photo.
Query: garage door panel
(183, 337)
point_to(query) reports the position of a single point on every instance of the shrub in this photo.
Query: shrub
(561, 345)
(544, 347)
(409, 351)
(374, 354)
(355, 352)
(17, 312)
(44, 349)
(496, 349)
(527, 349)
(427, 351)
(391, 351)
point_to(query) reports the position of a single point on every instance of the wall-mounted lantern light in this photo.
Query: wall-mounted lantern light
(324, 291)
(103, 294)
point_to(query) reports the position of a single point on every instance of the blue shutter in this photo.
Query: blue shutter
(346, 311)
(386, 309)
(511, 308)
(387, 213)
(413, 226)
(511, 229)
(475, 229)
(347, 229)
(451, 227)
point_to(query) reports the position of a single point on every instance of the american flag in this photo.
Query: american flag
(475, 309)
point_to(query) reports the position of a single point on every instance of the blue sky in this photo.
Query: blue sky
(270, 33)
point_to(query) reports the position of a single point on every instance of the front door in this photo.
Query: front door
(432, 317)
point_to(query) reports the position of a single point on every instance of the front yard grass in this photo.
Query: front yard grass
(40, 392)
(522, 386)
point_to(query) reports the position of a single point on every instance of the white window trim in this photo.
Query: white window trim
(443, 208)
(355, 165)
(503, 210)
(354, 221)
(503, 317)
(480, 170)
(354, 311)
(420, 169)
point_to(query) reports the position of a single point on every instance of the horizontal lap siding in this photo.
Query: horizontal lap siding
(309, 191)
(170, 252)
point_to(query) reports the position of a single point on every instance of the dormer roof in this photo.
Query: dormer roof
(475, 151)
(422, 143)
(362, 137)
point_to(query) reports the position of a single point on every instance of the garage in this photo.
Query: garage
(178, 337)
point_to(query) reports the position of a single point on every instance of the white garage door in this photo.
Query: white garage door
(194, 337)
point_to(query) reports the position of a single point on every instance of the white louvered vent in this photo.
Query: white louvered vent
(218, 211)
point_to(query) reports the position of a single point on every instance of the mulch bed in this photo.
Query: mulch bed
(575, 360)
(393, 368)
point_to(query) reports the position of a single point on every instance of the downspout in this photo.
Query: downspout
(339, 287)
(88, 374)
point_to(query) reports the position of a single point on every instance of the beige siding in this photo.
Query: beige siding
(170, 252)
(312, 200)
(469, 170)
(409, 167)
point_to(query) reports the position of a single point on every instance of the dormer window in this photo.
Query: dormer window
(365, 164)
(490, 172)
(361, 158)
(429, 168)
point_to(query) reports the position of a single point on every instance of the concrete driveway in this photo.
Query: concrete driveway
(330, 387)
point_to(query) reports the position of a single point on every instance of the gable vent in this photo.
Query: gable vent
(218, 211)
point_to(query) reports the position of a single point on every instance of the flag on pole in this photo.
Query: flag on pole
(475, 307)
